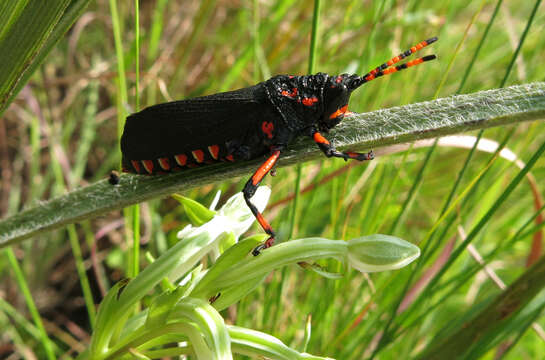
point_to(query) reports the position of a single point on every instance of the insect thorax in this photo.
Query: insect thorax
(299, 99)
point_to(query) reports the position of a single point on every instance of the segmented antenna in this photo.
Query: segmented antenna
(386, 68)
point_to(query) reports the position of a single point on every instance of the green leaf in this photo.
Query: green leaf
(210, 323)
(162, 306)
(229, 258)
(197, 213)
(255, 343)
(106, 312)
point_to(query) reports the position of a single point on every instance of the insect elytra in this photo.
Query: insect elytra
(248, 123)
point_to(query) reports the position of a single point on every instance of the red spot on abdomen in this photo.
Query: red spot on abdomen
(181, 159)
(214, 151)
(198, 155)
(267, 128)
(148, 165)
(164, 163)
(136, 166)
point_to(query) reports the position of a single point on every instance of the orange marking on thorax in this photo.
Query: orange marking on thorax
(181, 159)
(136, 166)
(339, 112)
(148, 165)
(214, 151)
(310, 101)
(267, 128)
(318, 138)
(198, 155)
(265, 168)
(164, 163)
(292, 94)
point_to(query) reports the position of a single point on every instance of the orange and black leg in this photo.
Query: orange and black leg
(249, 191)
(330, 151)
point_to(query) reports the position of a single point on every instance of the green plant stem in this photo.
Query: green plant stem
(396, 125)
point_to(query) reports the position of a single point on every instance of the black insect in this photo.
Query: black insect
(246, 124)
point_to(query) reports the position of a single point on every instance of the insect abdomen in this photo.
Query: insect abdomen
(177, 162)
(188, 133)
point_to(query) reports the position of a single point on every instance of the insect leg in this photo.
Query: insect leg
(249, 191)
(330, 151)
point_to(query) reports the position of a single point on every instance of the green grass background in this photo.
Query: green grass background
(62, 131)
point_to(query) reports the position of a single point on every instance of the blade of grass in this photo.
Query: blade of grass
(521, 42)
(479, 46)
(495, 315)
(508, 70)
(9, 14)
(39, 27)
(122, 97)
(458, 47)
(84, 280)
(458, 251)
(21, 281)
(23, 41)
(153, 44)
(136, 208)
(418, 180)
(414, 189)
